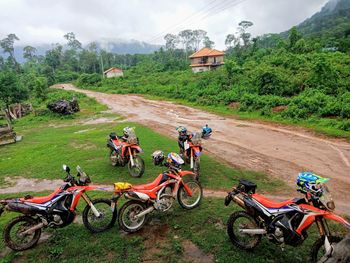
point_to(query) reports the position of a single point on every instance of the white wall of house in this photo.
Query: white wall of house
(114, 74)
(200, 69)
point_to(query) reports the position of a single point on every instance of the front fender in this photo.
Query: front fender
(137, 148)
(184, 173)
(337, 218)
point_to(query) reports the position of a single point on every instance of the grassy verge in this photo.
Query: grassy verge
(161, 240)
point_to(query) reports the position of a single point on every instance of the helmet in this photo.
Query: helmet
(311, 183)
(181, 130)
(126, 132)
(175, 159)
(158, 157)
(206, 131)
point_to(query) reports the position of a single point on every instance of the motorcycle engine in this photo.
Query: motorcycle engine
(165, 201)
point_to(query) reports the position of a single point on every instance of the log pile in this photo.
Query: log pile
(7, 135)
(64, 107)
(18, 110)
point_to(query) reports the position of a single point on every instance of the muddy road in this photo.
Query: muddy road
(280, 151)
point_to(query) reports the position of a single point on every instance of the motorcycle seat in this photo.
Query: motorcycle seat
(269, 203)
(41, 199)
(149, 186)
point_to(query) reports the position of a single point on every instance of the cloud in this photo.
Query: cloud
(46, 21)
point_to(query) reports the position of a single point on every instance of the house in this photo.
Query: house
(206, 59)
(113, 72)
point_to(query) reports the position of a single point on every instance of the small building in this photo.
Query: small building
(113, 73)
(206, 59)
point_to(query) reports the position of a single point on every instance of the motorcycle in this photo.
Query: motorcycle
(56, 210)
(158, 195)
(191, 146)
(284, 223)
(125, 150)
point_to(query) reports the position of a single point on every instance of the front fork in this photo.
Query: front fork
(324, 232)
(131, 157)
(192, 163)
(93, 208)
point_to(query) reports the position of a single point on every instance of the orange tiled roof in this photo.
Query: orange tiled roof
(207, 52)
(113, 69)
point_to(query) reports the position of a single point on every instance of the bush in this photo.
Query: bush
(89, 79)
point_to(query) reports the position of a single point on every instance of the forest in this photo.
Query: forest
(300, 76)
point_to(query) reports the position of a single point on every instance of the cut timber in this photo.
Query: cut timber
(7, 135)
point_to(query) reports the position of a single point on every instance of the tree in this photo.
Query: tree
(231, 39)
(294, 36)
(198, 36)
(244, 35)
(208, 43)
(73, 43)
(40, 86)
(171, 41)
(53, 57)
(7, 44)
(186, 38)
(29, 52)
(11, 91)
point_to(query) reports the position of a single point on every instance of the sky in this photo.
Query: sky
(46, 21)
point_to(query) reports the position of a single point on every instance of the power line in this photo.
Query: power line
(224, 5)
(204, 10)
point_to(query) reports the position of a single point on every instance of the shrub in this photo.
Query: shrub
(89, 79)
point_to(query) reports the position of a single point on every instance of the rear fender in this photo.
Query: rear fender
(337, 218)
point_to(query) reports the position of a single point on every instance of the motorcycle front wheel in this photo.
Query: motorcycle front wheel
(127, 216)
(190, 202)
(139, 167)
(106, 219)
(196, 166)
(242, 220)
(318, 250)
(13, 236)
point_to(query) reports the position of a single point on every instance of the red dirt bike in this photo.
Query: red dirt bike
(284, 223)
(56, 211)
(158, 195)
(124, 150)
(191, 146)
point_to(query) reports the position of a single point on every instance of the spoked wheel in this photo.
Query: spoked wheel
(318, 249)
(14, 235)
(196, 166)
(104, 221)
(127, 216)
(238, 221)
(185, 200)
(139, 167)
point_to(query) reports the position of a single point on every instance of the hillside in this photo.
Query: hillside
(332, 20)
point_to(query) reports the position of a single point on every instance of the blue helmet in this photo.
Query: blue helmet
(181, 130)
(309, 182)
(206, 131)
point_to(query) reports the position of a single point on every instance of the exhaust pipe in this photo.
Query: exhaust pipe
(31, 230)
(252, 231)
(239, 201)
(145, 212)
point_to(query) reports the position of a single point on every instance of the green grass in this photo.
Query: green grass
(205, 226)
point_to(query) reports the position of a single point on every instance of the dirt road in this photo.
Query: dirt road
(280, 151)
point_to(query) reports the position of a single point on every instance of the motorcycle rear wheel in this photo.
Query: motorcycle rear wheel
(15, 227)
(238, 220)
(107, 216)
(190, 202)
(139, 167)
(318, 250)
(126, 217)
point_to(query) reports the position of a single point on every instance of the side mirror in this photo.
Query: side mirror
(66, 168)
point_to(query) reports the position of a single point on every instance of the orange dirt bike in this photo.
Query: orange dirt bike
(56, 210)
(158, 195)
(124, 150)
(190, 145)
(284, 223)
